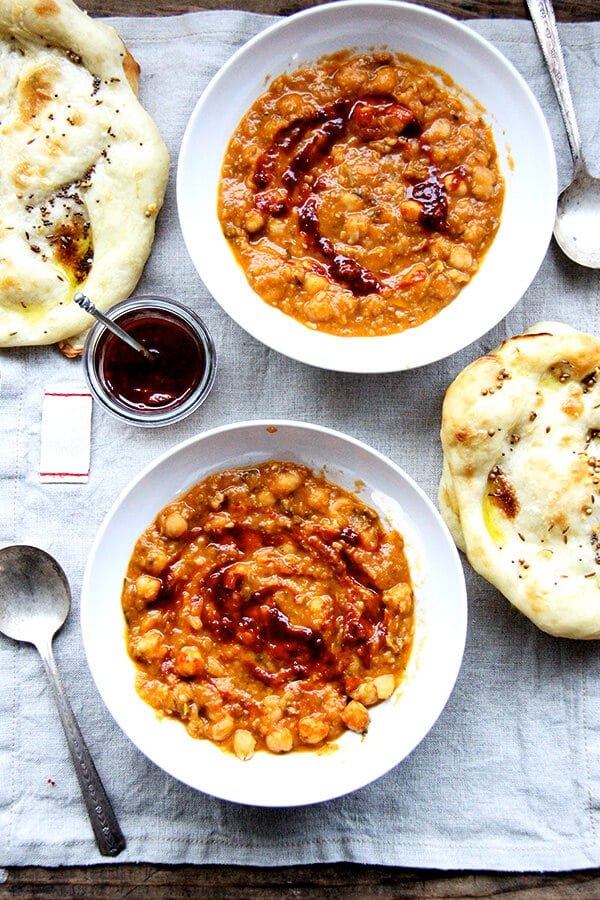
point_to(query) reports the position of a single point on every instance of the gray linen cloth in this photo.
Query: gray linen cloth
(509, 777)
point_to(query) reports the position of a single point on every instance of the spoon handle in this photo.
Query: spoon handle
(86, 304)
(544, 21)
(108, 834)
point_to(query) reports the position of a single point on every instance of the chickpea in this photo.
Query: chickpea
(217, 500)
(285, 482)
(461, 258)
(194, 622)
(151, 620)
(383, 81)
(398, 598)
(350, 77)
(318, 308)
(319, 609)
(457, 276)
(365, 693)
(271, 702)
(356, 717)
(217, 521)
(478, 158)
(221, 729)
(276, 229)
(156, 559)
(280, 740)
(342, 506)
(243, 744)
(439, 130)
(370, 538)
(318, 498)
(482, 183)
(174, 525)
(254, 221)
(147, 587)
(313, 729)
(290, 105)
(208, 696)
(410, 210)
(273, 711)
(183, 694)
(149, 646)
(189, 662)
(385, 686)
(314, 283)
(454, 184)
(474, 232)
(356, 226)
(441, 287)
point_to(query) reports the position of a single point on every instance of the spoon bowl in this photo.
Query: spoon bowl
(35, 599)
(577, 226)
(577, 223)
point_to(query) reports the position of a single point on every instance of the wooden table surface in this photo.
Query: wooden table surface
(311, 882)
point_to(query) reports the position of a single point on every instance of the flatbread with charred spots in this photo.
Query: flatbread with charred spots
(83, 176)
(520, 487)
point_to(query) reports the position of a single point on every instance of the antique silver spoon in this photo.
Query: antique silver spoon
(577, 224)
(34, 602)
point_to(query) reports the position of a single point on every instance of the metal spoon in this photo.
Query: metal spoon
(86, 304)
(577, 224)
(34, 603)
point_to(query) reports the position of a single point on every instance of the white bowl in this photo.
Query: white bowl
(522, 139)
(397, 725)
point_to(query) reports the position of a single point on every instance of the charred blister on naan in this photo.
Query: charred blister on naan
(60, 231)
(502, 493)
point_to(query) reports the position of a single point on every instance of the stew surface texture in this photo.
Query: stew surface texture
(360, 194)
(268, 608)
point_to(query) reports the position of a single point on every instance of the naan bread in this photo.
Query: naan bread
(520, 488)
(83, 172)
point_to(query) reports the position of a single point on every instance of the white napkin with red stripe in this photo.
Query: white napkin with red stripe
(66, 434)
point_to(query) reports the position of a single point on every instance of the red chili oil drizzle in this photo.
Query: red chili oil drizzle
(257, 622)
(370, 118)
(340, 267)
(168, 379)
(431, 195)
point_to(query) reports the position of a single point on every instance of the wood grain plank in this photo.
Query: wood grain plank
(316, 882)
(566, 10)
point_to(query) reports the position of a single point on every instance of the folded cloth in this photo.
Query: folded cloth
(66, 434)
(509, 777)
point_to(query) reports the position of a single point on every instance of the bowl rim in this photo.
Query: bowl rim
(349, 780)
(428, 342)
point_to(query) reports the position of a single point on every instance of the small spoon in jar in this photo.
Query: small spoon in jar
(86, 304)
(34, 603)
(577, 223)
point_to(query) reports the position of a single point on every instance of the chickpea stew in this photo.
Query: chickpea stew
(361, 193)
(267, 609)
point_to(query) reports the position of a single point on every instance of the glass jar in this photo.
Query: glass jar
(161, 390)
